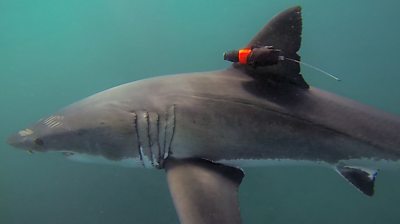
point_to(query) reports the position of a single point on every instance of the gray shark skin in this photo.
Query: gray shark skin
(233, 117)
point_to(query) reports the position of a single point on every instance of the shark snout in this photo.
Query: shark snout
(24, 140)
(16, 140)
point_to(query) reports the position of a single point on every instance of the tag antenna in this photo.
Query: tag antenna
(313, 67)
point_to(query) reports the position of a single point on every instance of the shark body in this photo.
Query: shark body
(210, 124)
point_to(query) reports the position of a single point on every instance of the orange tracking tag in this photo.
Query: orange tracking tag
(243, 55)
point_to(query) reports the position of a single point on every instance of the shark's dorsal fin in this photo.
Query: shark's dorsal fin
(282, 32)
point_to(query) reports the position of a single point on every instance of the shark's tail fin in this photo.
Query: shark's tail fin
(283, 32)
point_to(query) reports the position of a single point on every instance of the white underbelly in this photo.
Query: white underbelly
(370, 163)
(128, 162)
(270, 162)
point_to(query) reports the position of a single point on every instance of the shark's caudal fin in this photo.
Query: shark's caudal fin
(283, 32)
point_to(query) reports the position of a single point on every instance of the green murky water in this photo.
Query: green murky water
(53, 53)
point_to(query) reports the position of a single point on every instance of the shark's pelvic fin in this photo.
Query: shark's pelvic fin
(361, 178)
(283, 32)
(203, 191)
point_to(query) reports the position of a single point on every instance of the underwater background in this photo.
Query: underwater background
(53, 53)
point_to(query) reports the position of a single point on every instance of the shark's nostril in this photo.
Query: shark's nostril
(39, 142)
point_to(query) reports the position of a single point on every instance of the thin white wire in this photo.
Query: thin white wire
(314, 67)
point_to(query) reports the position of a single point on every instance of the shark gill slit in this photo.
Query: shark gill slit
(154, 138)
(165, 134)
(169, 130)
(135, 123)
(172, 111)
(160, 155)
(150, 152)
(147, 126)
(143, 133)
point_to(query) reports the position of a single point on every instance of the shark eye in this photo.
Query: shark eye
(39, 142)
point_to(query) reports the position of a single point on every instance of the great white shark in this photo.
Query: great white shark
(202, 128)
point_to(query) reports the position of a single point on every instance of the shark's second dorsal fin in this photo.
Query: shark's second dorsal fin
(283, 32)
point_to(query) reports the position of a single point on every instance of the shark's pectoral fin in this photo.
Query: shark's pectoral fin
(203, 191)
(362, 178)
